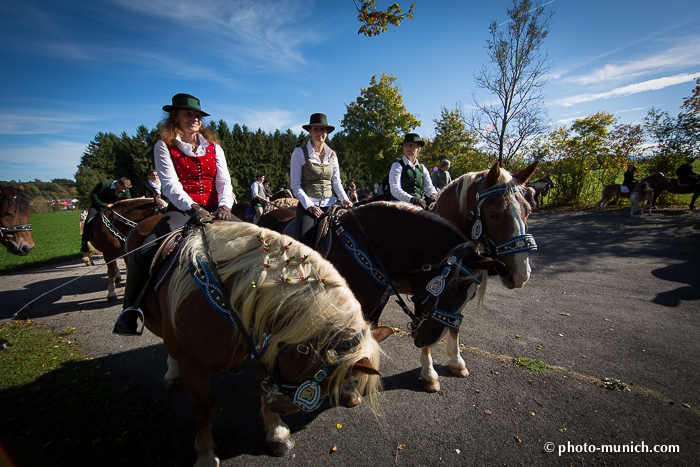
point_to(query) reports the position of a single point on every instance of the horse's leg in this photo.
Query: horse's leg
(197, 380)
(277, 434)
(112, 271)
(454, 359)
(692, 201)
(172, 376)
(428, 375)
(118, 279)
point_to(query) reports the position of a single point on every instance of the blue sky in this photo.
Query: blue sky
(73, 68)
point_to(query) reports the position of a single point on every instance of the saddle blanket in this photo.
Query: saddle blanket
(624, 189)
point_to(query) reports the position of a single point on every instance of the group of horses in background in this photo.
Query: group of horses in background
(648, 190)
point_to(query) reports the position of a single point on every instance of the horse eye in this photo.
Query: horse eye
(494, 216)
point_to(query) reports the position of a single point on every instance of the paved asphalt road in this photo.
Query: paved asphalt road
(609, 297)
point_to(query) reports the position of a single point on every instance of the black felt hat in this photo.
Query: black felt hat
(318, 120)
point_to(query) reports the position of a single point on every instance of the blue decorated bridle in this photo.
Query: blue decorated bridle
(517, 244)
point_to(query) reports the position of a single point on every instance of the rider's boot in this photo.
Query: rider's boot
(127, 322)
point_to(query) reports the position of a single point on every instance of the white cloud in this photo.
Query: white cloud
(650, 85)
(679, 56)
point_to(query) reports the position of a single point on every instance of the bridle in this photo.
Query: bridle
(307, 396)
(110, 226)
(476, 230)
(12, 229)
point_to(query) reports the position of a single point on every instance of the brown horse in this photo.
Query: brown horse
(241, 210)
(657, 182)
(642, 192)
(15, 230)
(110, 229)
(277, 300)
(370, 247)
(672, 186)
(489, 207)
(541, 187)
(281, 194)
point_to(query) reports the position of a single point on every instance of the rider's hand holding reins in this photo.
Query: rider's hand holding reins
(418, 202)
(315, 211)
(199, 215)
(223, 214)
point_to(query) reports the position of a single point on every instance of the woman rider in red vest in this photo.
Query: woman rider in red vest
(195, 179)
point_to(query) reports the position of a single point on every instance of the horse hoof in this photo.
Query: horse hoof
(430, 385)
(111, 299)
(460, 371)
(281, 448)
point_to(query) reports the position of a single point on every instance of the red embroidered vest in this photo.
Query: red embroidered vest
(197, 175)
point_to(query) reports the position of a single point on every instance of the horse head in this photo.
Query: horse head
(15, 230)
(498, 215)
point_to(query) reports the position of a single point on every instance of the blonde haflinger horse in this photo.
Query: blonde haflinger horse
(489, 208)
(238, 290)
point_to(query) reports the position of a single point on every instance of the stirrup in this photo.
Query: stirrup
(137, 332)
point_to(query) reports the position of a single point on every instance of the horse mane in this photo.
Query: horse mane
(12, 195)
(126, 205)
(469, 178)
(284, 289)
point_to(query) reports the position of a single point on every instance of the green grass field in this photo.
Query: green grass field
(56, 239)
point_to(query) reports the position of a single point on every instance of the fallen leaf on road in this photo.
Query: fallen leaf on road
(487, 412)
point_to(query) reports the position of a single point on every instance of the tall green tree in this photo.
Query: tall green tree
(375, 124)
(515, 77)
(675, 139)
(455, 142)
(573, 154)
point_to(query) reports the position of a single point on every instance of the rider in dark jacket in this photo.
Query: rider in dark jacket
(685, 173)
(629, 180)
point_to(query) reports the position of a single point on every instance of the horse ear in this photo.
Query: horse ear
(363, 365)
(381, 333)
(493, 176)
(523, 175)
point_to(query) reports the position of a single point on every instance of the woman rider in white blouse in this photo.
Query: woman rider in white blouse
(195, 179)
(315, 177)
